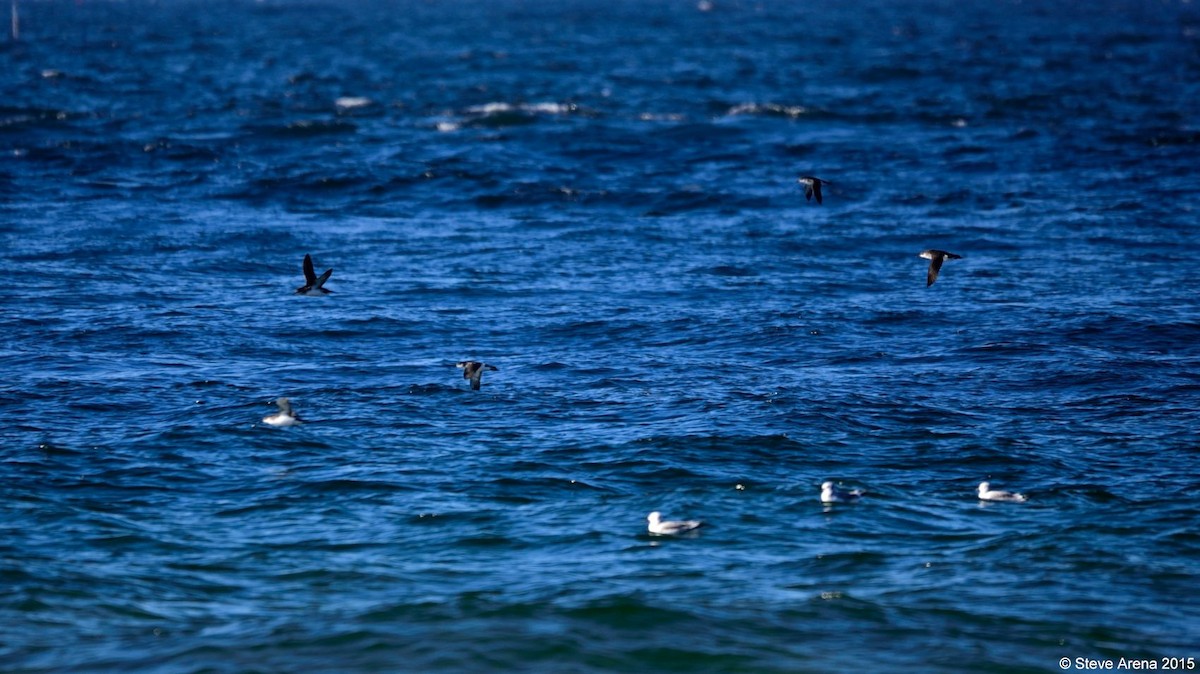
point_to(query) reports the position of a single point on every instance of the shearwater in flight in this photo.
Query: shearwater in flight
(313, 284)
(936, 258)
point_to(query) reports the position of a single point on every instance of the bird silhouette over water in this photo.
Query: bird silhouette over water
(313, 284)
(812, 187)
(473, 370)
(936, 258)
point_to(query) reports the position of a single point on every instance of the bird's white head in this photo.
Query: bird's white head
(654, 517)
(984, 486)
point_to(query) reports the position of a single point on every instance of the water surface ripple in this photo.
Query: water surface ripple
(598, 198)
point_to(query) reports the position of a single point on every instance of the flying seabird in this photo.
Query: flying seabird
(313, 284)
(670, 527)
(473, 370)
(830, 493)
(936, 258)
(812, 187)
(285, 417)
(986, 493)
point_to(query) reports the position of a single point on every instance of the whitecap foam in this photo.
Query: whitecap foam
(351, 102)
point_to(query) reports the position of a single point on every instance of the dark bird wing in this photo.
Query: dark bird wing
(320, 281)
(310, 276)
(473, 370)
(808, 193)
(935, 265)
(816, 190)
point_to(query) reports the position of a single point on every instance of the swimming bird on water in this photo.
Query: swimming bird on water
(473, 370)
(670, 527)
(812, 187)
(285, 417)
(830, 493)
(986, 493)
(313, 284)
(936, 258)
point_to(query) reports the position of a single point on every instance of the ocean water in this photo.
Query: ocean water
(599, 199)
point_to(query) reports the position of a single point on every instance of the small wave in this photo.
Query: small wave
(12, 118)
(768, 110)
(726, 270)
(306, 128)
(628, 612)
(345, 486)
(1173, 138)
(532, 108)
(501, 114)
(346, 103)
(889, 73)
(661, 117)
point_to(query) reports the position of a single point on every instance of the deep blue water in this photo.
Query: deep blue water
(599, 198)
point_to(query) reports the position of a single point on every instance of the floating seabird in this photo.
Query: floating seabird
(936, 258)
(313, 284)
(286, 416)
(986, 493)
(670, 527)
(812, 187)
(473, 370)
(830, 493)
